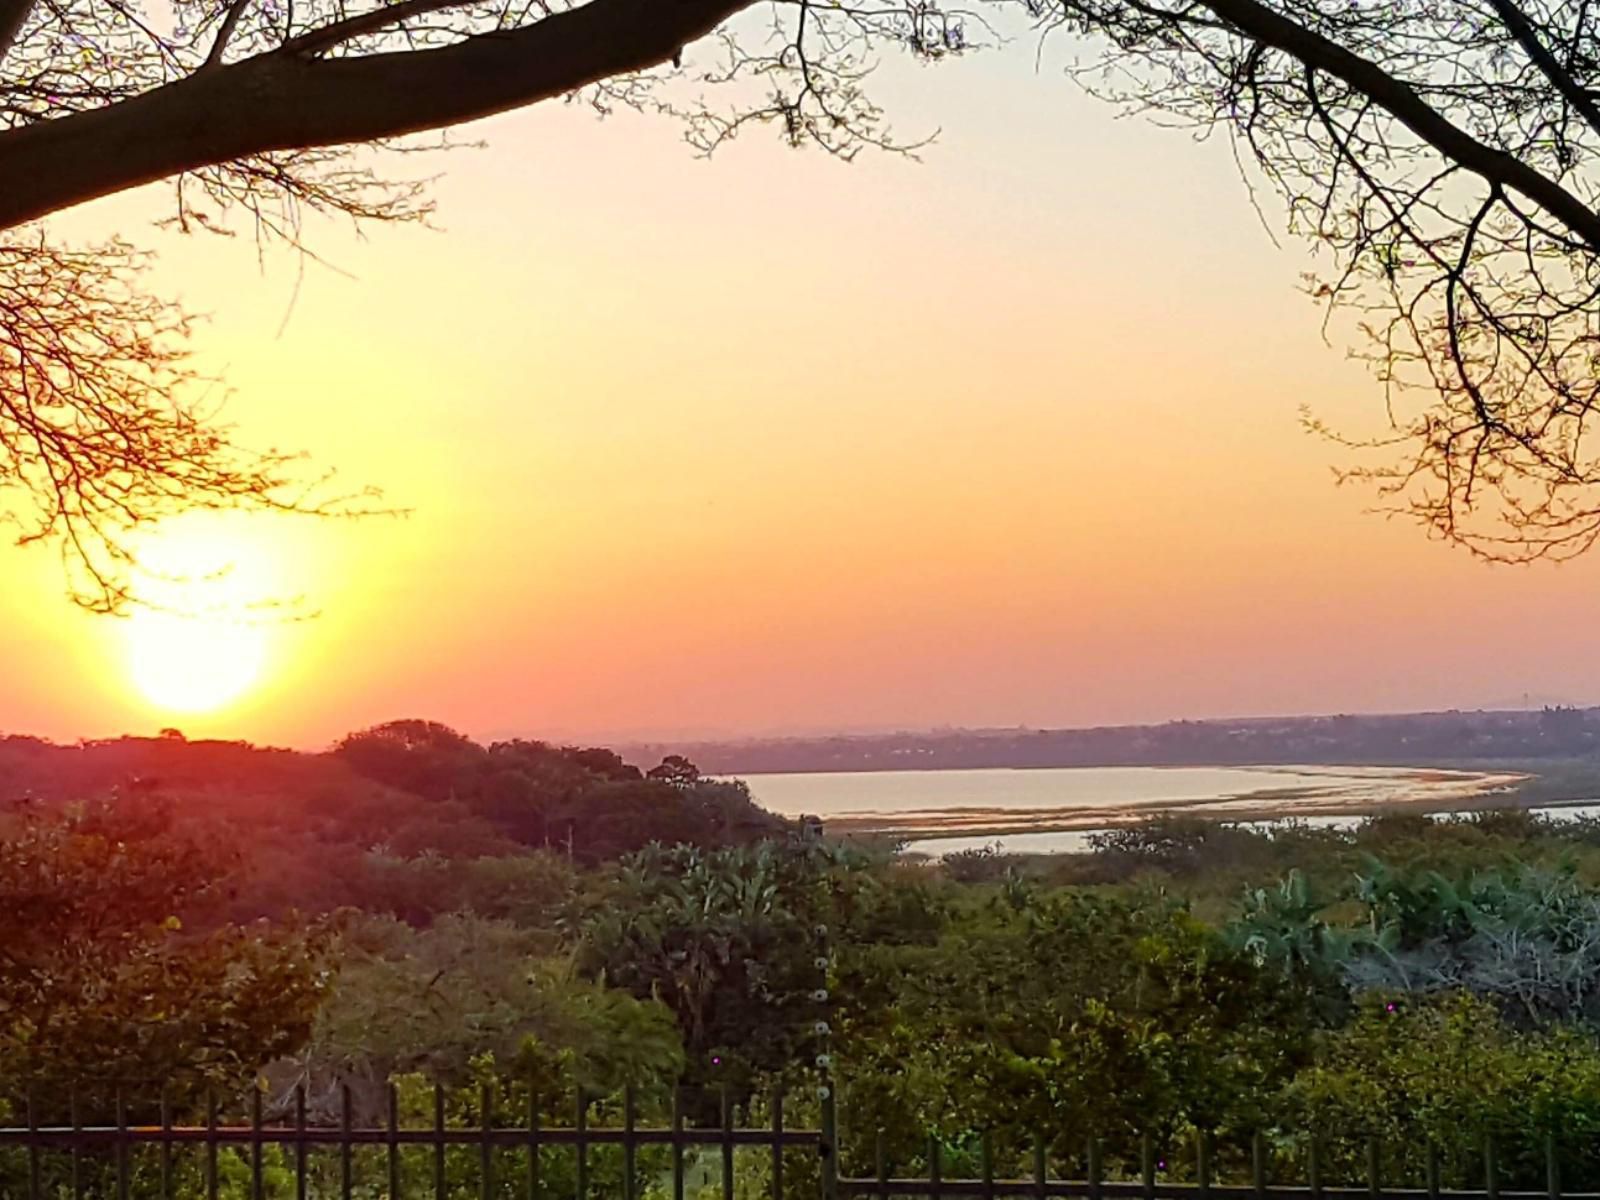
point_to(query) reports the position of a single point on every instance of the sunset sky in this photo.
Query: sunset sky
(1006, 436)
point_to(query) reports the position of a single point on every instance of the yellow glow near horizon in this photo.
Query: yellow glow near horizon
(203, 642)
(187, 664)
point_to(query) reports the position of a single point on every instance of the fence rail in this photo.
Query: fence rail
(86, 1137)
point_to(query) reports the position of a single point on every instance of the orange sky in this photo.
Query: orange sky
(1007, 436)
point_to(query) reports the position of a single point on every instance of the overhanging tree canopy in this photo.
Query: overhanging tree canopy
(1440, 153)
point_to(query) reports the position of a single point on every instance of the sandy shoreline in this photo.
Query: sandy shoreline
(1349, 791)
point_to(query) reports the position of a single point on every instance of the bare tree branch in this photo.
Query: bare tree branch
(103, 426)
(328, 36)
(230, 22)
(251, 106)
(1528, 38)
(282, 101)
(1401, 100)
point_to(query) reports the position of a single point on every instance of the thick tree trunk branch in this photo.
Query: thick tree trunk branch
(1401, 101)
(283, 101)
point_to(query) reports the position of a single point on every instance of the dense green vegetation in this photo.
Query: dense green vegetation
(413, 909)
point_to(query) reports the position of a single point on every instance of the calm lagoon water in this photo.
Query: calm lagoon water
(1054, 809)
(841, 793)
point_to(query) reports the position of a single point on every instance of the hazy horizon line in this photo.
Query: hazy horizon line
(658, 736)
(648, 736)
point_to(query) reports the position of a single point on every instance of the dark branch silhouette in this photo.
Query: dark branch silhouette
(252, 107)
(293, 98)
(1442, 161)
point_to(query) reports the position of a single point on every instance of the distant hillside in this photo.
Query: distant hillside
(1410, 739)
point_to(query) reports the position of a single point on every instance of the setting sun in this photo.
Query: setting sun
(193, 664)
(203, 642)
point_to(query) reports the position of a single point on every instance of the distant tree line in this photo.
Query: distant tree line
(587, 800)
(1413, 739)
(409, 816)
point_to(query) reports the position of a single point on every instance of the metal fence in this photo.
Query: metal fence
(1148, 1183)
(291, 1152)
(125, 1159)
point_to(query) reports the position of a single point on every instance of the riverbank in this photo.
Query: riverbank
(990, 803)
